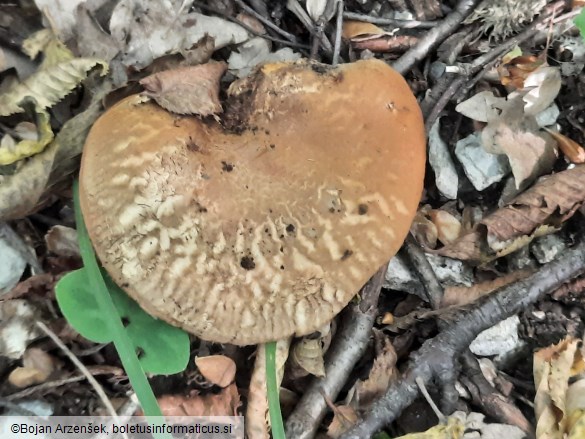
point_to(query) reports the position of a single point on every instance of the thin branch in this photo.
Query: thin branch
(435, 36)
(439, 354)
(338, 32)
(349, 346)
(265, 21)
(427, 275)
(403, 24)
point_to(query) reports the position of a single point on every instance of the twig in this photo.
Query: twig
(426, 273)
(265, 21)
(435, 36)
(97, 387)
(440, 353)
(249, 29)
(338, 32)
(403, 24)
(349, 345)
(295, 7)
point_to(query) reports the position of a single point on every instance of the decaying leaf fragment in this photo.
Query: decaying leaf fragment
(572, 150)
(187, 90)
(536, 212)
(559, 401)
(49, 86)
(217, 369)
(54, 51)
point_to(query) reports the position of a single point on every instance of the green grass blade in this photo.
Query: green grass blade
(272, 389)
(122, 343)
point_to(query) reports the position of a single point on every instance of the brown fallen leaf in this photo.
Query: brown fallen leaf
(513, 72)
(344, 417)
(531, 152)
(360, 31)
(217, 369)
(37, 366)
(383, 372)
(187, 90)
(574, 152)
(423, 229)
(448, 227)
(537, 211)
(62, 241)
(460, 295)
(225, 403)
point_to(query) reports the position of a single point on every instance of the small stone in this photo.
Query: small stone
(481, 167)
(498, 340)
(440, 160)
(547, 248)
(548, 116)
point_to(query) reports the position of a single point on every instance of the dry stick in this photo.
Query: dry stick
(435, 36)
(97, 387)
(349, 346)
(437, 355)
(404, 24)
(265, 21)
(427, 275)
(338, 32)
(295, 7)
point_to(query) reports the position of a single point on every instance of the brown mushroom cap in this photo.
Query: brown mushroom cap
(255, 235)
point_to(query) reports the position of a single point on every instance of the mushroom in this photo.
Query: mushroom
(265, 226)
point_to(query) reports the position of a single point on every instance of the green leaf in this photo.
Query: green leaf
(580, 22)
(163, 349)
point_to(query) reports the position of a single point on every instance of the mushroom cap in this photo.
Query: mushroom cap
(266, 230)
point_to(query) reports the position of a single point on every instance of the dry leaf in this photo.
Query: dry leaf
(62, 241)
(28, 147)
(217, 369)
(37, 366)
(187, 90)
(257, 421)
(537, 211)
(360, 31)
(307, 357)
(544, 85)
(514, 72)
(49, 86)
(531, 152)
(225, 403)
(17, 327)
(554, 366)
(55, 52)
(28, 189)
(453, 430)
(574, 152)
(316, 8)
(423, 229)
(448, 227)
(483, 106)
(383, 372)
(460, 295)
(344, 417)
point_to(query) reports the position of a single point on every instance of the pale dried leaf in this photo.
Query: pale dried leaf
(17, 327)
(448, 227)
(37, 367)
(531, 152)
(537, 211)
(483, 106)
(217, 369)
(307, 354)
(187, 90)
(546, 84)
(49, 86)
(316, 8)
(225, 403)
(257, 420)
(423, 229)
(572, 150)
(37, 42)
(147, 32)
(552, 371)
(344, 417)
(62, 241)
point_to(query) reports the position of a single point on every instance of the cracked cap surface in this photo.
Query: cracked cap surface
(269, 230)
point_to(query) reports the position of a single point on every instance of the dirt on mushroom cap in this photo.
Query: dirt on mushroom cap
(250, 235)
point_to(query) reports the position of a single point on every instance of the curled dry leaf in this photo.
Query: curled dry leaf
(187, 90)
(49, 86)
(257, 421)
(45, 41)
(307, 357)
(37, 365)
(360, 31)
(217, 369)
(554, 367)
(574, 152)
(542, 87)
(62, 241)
(423, 229)
(515, 71)
(537, 211)
(448, 227)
